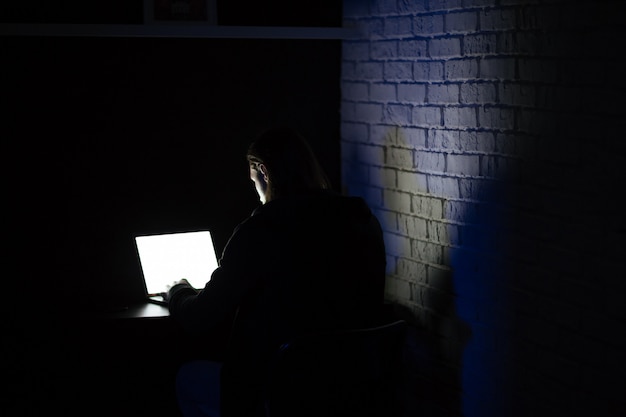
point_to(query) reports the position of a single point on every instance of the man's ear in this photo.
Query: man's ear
(263, 171)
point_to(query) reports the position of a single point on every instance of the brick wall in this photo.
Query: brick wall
(488, 136)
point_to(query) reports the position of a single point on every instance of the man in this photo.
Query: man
(306, 260)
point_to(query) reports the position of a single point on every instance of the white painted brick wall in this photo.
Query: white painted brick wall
(488, 137)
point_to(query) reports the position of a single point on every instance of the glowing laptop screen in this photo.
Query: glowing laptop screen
(167, 258)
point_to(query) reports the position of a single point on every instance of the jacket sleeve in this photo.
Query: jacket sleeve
(199, 311)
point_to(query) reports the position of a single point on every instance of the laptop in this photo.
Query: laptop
(169, 257)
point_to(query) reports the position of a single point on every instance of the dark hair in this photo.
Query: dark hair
(290, 162)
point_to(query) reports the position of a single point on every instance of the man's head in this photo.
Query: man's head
(282, 163)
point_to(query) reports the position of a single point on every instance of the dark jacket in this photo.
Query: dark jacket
(299, 264)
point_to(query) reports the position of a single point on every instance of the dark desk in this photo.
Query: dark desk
(128, 358)
(145, 310)
(124, 361)
(150, 323)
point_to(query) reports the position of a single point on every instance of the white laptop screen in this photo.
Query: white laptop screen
(167, 258)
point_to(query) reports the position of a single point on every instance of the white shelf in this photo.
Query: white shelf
(174, 31)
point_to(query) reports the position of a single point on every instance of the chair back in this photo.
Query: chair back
(345, 373)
